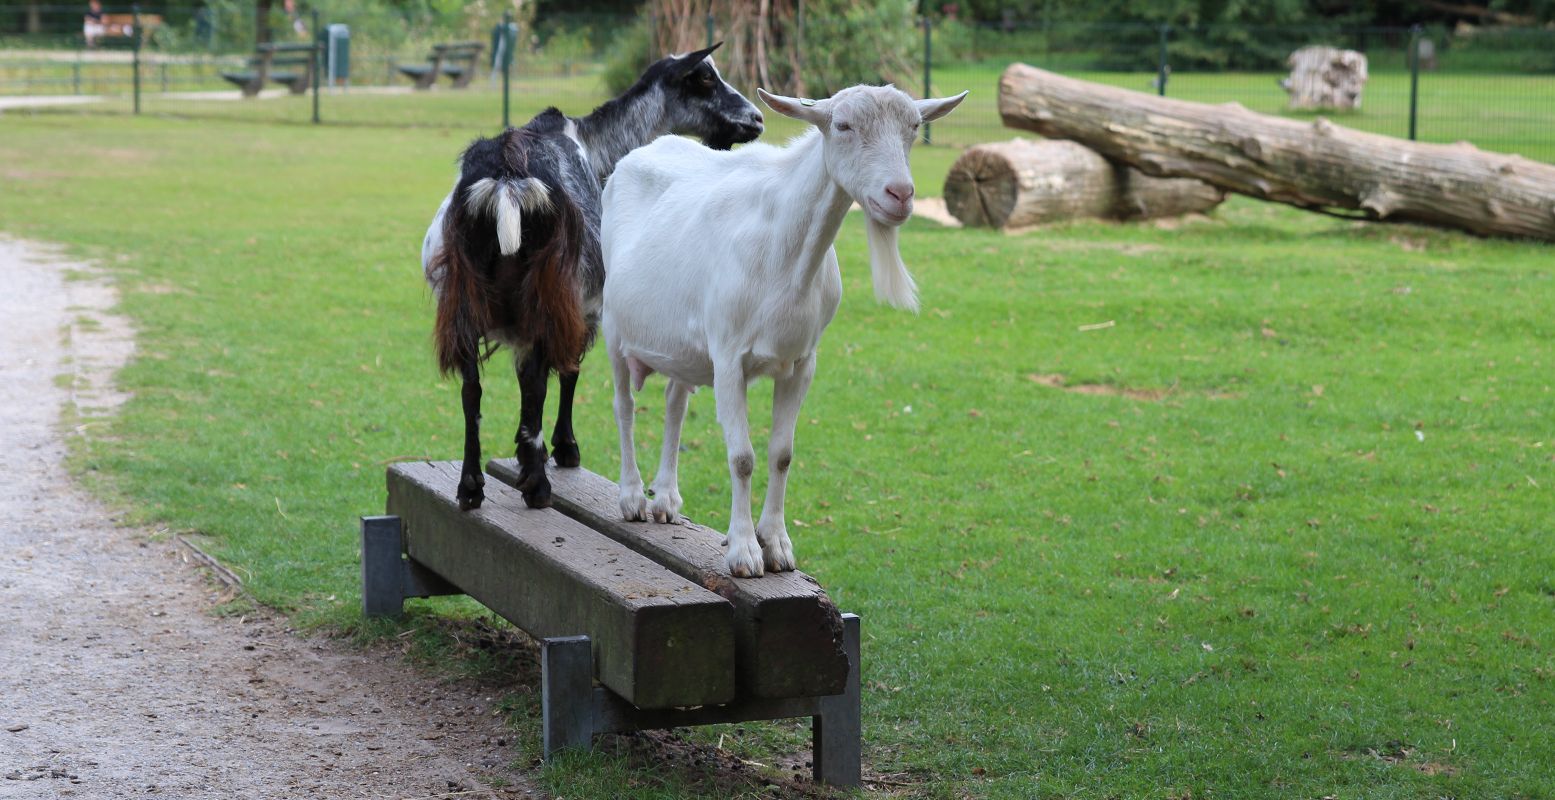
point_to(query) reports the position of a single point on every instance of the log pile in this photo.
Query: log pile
(1020, 183)
(1314, 165)
(1325, 78)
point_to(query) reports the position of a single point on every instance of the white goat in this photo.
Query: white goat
(719, 269)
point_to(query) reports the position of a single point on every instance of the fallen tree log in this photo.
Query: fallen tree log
(1020, 183)
(1313, 165)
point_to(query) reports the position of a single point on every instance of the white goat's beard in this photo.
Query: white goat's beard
(893, 285)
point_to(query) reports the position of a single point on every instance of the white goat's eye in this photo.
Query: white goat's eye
(843, 126)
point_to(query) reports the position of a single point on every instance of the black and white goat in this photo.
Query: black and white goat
(513, 255)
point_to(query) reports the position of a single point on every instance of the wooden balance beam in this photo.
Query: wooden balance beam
(788, 634)
(644, 609)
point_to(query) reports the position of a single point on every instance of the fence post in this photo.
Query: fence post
(510, 41)
(135, 60)
(1414, 75)
(318, 62)
(1162, 69)
(710, 23)
(928, 69)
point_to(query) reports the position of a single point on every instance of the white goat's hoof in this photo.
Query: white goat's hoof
(744, 556)
(634, 506)
(665, 506)
(777, 550)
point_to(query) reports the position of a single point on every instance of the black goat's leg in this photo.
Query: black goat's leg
(532, 375)
(564, 445)
(471, 492)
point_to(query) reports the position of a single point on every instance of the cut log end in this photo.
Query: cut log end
(1325, 78)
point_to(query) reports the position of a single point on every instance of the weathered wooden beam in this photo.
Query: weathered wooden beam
(788, 634)
(659, 640)
(1314, 165)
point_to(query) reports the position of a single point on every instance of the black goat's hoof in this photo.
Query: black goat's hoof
(471, 492)
(529, 477)
(538, 495)
(566, 454)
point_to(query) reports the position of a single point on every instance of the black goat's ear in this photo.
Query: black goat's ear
(690, 61)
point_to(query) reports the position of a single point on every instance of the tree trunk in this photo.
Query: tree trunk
(1313, 165)
(1325, 78)
(1019, 183)
(261, 21)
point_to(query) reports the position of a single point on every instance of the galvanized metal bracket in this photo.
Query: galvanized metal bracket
(388, 575)
(574, 710)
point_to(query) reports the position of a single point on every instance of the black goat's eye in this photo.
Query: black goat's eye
(843, 126)
(707, 80)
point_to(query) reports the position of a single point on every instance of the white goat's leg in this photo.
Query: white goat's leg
(634, 505)
(665, 506)
(787, 397)
(744, 556)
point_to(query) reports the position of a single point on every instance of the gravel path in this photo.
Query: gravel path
(116, 681)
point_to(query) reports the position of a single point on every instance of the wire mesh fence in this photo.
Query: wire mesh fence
(193, 61)
(1494, 87)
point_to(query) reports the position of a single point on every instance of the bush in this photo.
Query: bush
(568, 47)
(627, 56)
(844, 44)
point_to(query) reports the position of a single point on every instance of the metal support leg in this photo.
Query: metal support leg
(383, 568)
(566, 693)
(837, 731)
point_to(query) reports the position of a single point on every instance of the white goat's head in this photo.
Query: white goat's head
(867, 133)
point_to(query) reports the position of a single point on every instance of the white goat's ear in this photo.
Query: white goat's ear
(815, 112)
(934, 108)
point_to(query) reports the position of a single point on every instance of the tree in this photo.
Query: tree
(801, 47)
(261, 21)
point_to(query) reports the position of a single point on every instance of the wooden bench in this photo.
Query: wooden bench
(647, 610)
(288, 63)
(457, 60)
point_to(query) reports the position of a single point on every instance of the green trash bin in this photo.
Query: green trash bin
(337, 54)
(503, 38)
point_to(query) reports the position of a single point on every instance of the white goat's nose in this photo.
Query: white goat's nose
(902, 192)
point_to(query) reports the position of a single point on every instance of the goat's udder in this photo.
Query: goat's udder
(640, 372)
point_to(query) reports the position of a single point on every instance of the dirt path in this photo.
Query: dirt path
(116, 681)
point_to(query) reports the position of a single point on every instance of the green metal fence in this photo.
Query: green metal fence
(1494, 87)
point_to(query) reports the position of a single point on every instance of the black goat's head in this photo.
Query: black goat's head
(699, 102)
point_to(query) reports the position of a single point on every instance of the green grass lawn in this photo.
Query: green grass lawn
(1257, 506)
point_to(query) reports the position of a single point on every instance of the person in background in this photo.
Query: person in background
(296, 19)
(92, 27)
